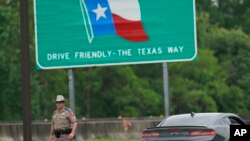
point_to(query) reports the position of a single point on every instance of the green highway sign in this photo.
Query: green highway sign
(82, 33)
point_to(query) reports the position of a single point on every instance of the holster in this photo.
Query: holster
(68, 130)
(65, 131)
(57, 133)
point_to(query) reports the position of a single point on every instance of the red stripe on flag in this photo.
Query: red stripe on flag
(130, 30)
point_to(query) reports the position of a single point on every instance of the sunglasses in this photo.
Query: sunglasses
(59, 102)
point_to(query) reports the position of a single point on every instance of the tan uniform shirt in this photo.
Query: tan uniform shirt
(63, 119)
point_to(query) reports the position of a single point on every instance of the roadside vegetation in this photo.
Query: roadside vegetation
(217, 80)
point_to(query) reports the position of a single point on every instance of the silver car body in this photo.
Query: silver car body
(182, 127)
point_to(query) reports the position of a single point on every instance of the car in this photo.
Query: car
(192, 126)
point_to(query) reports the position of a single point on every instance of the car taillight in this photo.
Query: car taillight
(150, 134)
(209, 132)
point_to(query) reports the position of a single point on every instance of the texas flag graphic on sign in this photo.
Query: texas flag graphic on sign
(113, 17)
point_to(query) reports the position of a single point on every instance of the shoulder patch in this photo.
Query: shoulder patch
(70, 111)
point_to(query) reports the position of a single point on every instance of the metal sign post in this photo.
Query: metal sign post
(166, 88)
(71, 81)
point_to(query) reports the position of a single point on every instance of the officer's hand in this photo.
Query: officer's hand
(71, 136)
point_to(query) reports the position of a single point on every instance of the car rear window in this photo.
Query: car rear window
(187, 120)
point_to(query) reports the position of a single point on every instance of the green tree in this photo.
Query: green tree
(116, 91)
(216, 81)
(10, 78)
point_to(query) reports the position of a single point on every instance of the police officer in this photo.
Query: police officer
(64, 122)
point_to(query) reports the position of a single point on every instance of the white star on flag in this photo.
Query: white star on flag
(100, 12)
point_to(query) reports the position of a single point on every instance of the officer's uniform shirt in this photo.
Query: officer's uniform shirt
(63, 119)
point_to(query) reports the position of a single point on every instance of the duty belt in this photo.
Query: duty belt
(59, 132)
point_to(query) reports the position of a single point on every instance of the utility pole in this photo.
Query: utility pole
(24, 20)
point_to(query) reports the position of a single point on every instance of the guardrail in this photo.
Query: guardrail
(86, 129)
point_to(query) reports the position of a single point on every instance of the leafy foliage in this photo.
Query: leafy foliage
(216, 81)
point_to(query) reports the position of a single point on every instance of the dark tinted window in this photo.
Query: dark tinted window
(188, 120)
(235, 121)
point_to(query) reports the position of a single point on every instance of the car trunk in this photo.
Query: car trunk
(178, 133)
